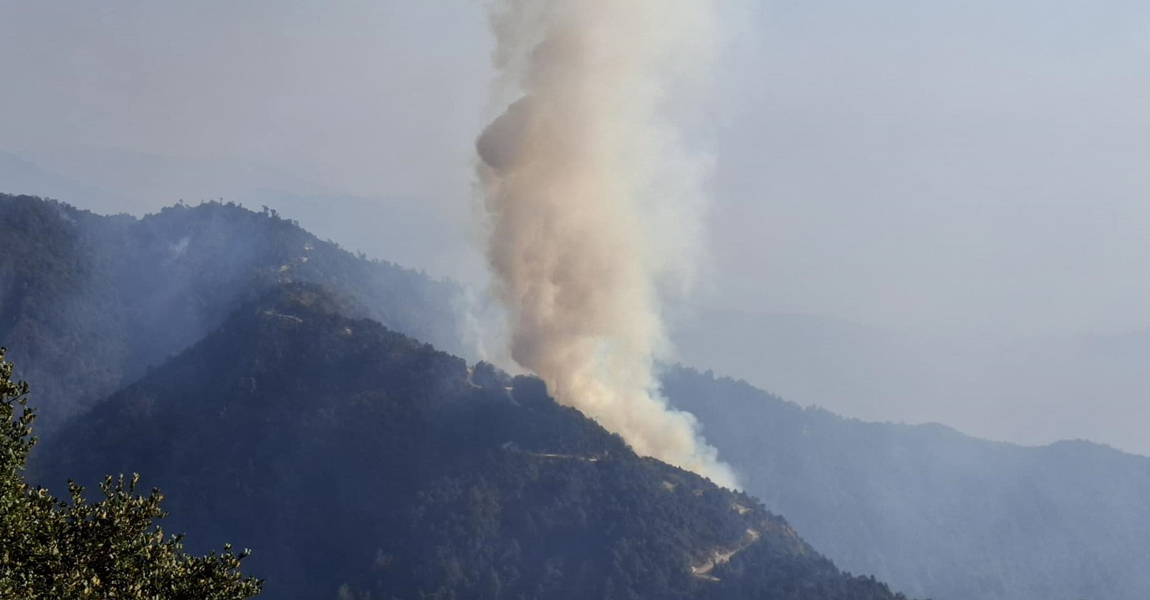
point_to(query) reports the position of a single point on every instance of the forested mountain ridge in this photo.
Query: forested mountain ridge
(356, 461)
(88, 302)
(930, 510)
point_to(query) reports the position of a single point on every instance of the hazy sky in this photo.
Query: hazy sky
(973, 166)
(950, 165)
(942, 165)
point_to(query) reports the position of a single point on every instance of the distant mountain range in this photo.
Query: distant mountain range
(1030, 390)
(930, 510)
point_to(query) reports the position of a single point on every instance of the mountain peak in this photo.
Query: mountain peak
(346, 454)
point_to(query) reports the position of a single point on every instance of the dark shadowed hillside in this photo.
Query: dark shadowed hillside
(930, 510)
(359, 463)
(88, 302)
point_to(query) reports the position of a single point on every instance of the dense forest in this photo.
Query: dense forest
(360, 463)
(80, 548)
(930, 510)
(88, 302)
(91, 304)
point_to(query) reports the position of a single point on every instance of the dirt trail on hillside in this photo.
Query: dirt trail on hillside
(719, 557)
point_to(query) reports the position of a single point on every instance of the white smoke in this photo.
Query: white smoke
(595, 204)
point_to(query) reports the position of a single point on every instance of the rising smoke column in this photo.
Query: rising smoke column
(595, 204)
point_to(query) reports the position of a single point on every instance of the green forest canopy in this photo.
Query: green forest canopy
(112, 548)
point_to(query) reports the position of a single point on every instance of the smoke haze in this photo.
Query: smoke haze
(969, 170)
(595, 202)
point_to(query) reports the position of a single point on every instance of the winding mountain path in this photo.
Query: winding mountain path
(719, 557)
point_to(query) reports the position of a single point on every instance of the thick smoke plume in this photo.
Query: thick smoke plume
(595, 204)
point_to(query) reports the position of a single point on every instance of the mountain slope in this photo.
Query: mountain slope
(88, 302)
(350, 457)
(930, 510)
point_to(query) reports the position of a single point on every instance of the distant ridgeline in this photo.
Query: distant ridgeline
(931, 511)
(359, 463)
(88, 302)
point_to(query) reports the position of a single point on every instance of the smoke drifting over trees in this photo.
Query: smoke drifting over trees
(595, 203)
